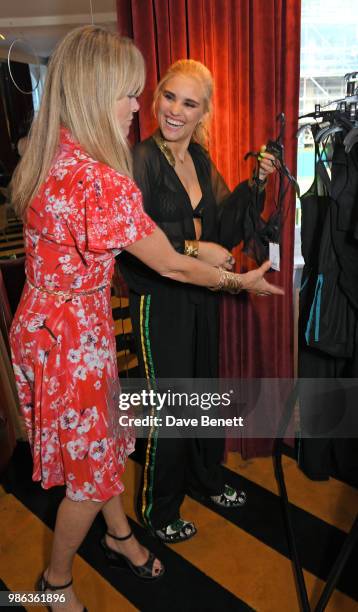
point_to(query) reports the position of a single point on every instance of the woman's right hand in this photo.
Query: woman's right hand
(215, 255)
(254, 281)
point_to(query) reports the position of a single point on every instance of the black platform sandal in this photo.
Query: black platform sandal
(230, 498)
(119, 560)
(43, 585)
(176, 532)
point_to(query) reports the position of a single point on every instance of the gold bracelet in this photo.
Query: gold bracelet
(191, 248)
(228, 281)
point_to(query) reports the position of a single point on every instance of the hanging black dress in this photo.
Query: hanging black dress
(328, 330)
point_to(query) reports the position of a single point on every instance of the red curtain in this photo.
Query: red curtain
(253, 50)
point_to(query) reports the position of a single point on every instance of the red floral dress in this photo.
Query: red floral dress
(62, 336)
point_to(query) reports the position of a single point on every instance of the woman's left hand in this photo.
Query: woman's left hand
(267, 163)
(255, 282)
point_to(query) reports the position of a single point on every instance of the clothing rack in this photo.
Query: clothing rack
(351, 538)
(325, 262)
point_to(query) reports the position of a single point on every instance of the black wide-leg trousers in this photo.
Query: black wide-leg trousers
(176, 335)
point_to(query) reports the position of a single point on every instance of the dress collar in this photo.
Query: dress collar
(69, 143)
(66, 137)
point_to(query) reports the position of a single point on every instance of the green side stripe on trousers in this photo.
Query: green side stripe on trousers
(153, 436)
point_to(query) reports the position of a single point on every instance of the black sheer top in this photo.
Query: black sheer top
(225, 216)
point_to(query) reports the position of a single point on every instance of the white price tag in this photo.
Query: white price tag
(274, 255)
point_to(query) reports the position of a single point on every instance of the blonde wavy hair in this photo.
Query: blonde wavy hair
(199, 72)
(89, 70)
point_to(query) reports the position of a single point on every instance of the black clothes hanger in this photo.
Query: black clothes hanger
(327, 131)
(343, 119)
(351, 139)
(276, 147)
(264, 232)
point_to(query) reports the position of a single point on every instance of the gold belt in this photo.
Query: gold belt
(67, 293)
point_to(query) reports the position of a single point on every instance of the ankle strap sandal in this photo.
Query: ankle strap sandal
(121, 561)
(44, 585)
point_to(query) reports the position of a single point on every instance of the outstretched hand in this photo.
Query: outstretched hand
(254, 282)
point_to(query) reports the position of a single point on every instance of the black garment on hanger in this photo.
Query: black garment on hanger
(327, 319)
(328, 328)
(344, 193)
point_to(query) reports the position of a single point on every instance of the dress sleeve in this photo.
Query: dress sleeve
(107, 212)
(239, 214)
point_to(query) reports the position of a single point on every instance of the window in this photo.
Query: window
(329, 50)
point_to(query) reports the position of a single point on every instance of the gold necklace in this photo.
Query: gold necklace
(167, 152)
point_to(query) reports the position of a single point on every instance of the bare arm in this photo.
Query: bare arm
(157, 253)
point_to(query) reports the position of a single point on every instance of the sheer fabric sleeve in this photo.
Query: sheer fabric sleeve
(106, 211)
(239, 213)
(147, 175)
(146, 172)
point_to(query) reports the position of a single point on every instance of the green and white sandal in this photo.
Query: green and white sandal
(229, 498)
(179, 531)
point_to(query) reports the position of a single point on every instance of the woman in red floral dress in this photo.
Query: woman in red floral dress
(80, 205)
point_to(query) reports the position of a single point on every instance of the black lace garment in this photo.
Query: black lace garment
(225, 216)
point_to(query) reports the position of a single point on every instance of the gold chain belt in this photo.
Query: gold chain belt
(67, 293)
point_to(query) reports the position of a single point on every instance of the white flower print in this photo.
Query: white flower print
(77, 448)
(36, 323)
(27, 408)
(41, 355)
(60, 207)
(45, 434)
(88, 420)
(77, 282)
(60, 174)
(89, 488)
(77, 495)
(80, 373)
(52, 385)
(51, 281)
(48, 455)
(92, 360)
(74, 355)
(98, 449)
(69, 419)
(29, 374)
(56, 404)
(88, 340)
(98, 476)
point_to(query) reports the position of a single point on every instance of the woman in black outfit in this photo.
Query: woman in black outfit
(176, 326)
